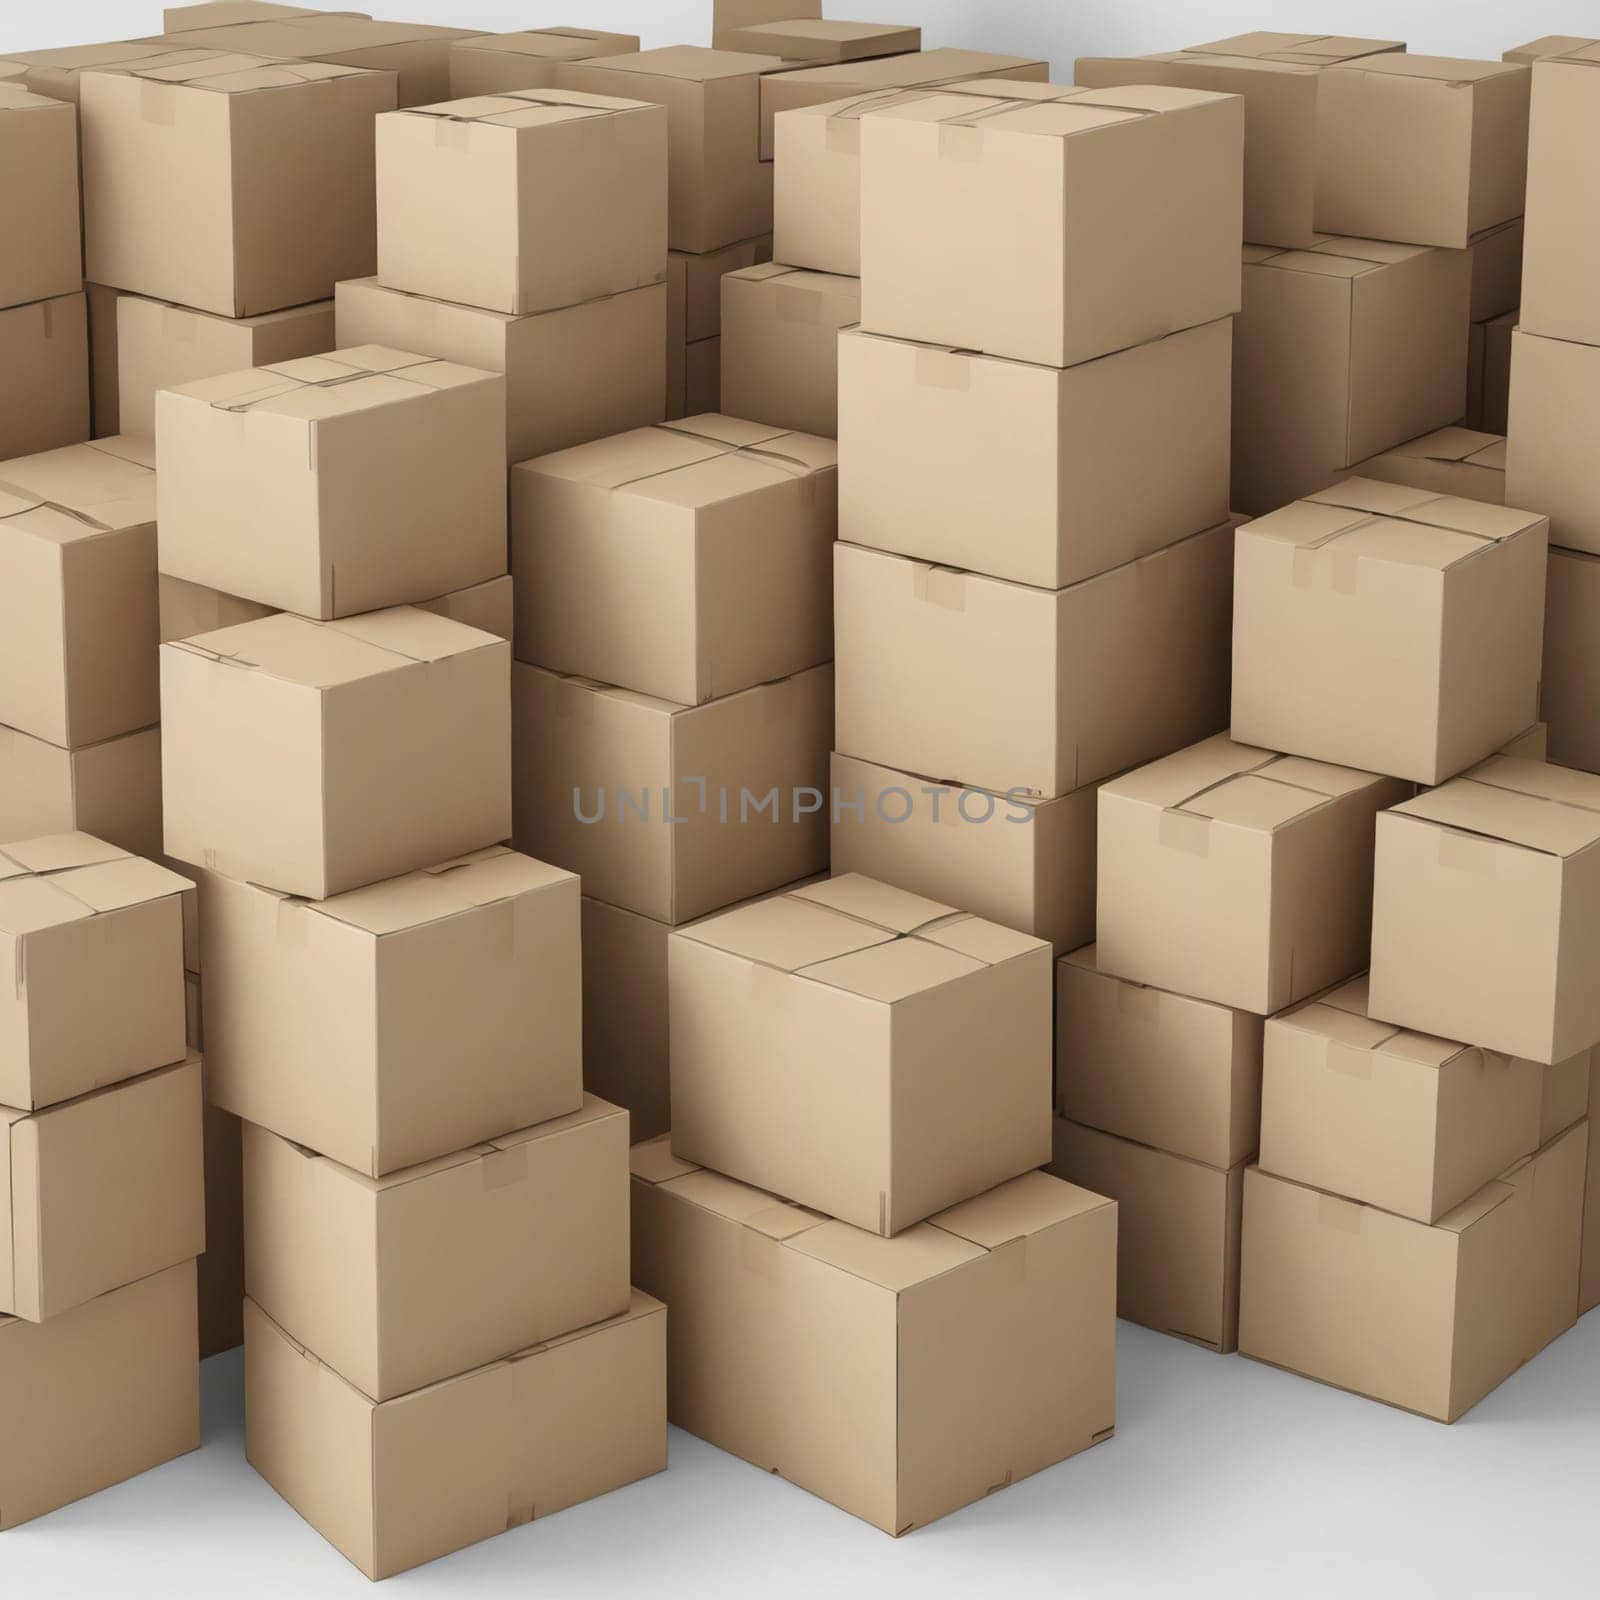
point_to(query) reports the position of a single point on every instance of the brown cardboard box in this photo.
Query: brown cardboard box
(996, 685)
(395, 1485)
(1038, 474)
(1177, 1232)
(44, 354)
(81, 918)
(812, 39)
(57, 73)
(1555, 434)
(1459, 462)
(78, 592)
(1589, 1288)
(1486, 911)
(317, 757)
(98, 1394)
(1489, 372)
(686, 561)
(673, 810)
(334, 475)
(898, 1378)
(100, 302)
(1572, 659)
(1168, 1072)
(861, 1050)
(727, 16)
(694, 323)
(39, 178)
(493, 63)
(111, 789)
(1388, 628)
(625, 1014)
(100, 1191)
(1236, 875)
(446, 1266)
(1343, 350)
(219, 1273)
(1426, 1317)
(328, 1021)
(1551, 44)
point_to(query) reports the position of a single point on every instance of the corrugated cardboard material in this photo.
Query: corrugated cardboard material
(1554, 422)
(860, 1049)
(1236, 875)
(1429, 1318)
(1572, 658)
(395, 1485)
(1459, 462)
(673, 810)
(78, 592)
(334, 475)
(98, 1394)
(402, 1021)
(813, 39)
(1489, 372)
(80, 918)
(100, 1191)
(1037, 474)
(44, 354)
(111, 789)
(727, 16)
(686, 561)
(898, 1378)
(492, 63)
(101, 305)
(625, 1014)
(997, 685)
(39, 178)
(1159, 1068)
(318, 757)
(439, 1268)
(219, 1273)
(1388, 628)
(1486, 912)
(1177, 1232)
(1589, 1286)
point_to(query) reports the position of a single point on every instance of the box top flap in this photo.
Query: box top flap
(323, 32)
(784, 932)
(690, 63)
(1454, 444)
(1452, 71)
(1307, 49)
(1340, 1017)
(1063, 114)
(18, 97)
(232, 72)
(895, 970)
(829, 284)
(1550, 44)
(552, 44)
(102, 490)
(879, 904)
(1552, 810)
(1025, 1205)
(69, 60)
(915, 69)
(1398, 502)
(525, 108)
(652, 1161)
(68, 877)
(1188, 772)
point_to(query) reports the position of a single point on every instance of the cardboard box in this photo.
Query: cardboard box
(219, 1273)
(1037, 474)
(813, 39)
(1564, 1097)
(1589, 1287)
(1388, 628)
(39, 178)
(111, 789)
(999, 686)
(694, 323)
(1459, 462)
(670, 810)
(1489, 373)
(1343, 350)
(625, 1014)
(492, 63)
(1090, 274)
(223, 13)
(395, 1485)
(442, 1267)
(327, 1021)
(56, 73)
(1486, 910)
(816, 184)
(1166, 1071)
(1555, 432)
(1496, 270)
(100, 302)
(727, 16)
(78, 592)
(334, 475)
(100, 1191)
(1177, 1232)
(98, 1394)
(1426, 1317)
(1236, 875)
(898, 1378)
(861, 1050)
(1572, 659)
(318, 757)
(1551, 44)
(686, 561)
(44, 353)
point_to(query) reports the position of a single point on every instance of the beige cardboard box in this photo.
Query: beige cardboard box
(329, 1021)
(1388, 628)
(1489, 372)
(861, 1050)
(100, 1191)
(334, 475)
(694, 323)
(318, 757)
(1459, 462)
(56, 73)
(111, 789)
(1572, 658)
(78, 592)
(1172, 1073)
(1343, 350)
(1236, 875)
(1177, 1232)
(898, 1378)
(813, 39)
(101, 305)
(98, 1394)
(44, 354)
(1554, 428)
(1038, 474)
(439, 1268)
(39, 178)
(219, 1273)
(1551, 44)
(1589, 1288)
(1486, 910)
(395, 1485)
(493, 63)
(687, 561)
(625, 1014)
(1000, 686)
(727, 16)
(1427, 1317)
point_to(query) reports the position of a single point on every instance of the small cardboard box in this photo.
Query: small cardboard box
(1572, 659)
(694, 323)
(1459, 462)
(813, 39)
(39, 178)
(861, 1050)
(727, 16)
(44, 354)
(111, 789)
(1562, 252)
(898, 1378)
(493, 63)
(1555, 434)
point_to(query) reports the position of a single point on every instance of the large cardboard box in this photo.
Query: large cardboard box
(1236, 875)
(1000, 686)
(334, 475)
(395, 1485)
(492, 63)
(861, 1050)
(111, 789)
(1459, 462)
(813, 39)
(1038, 474)
(39, 178)
(100, 1191)
(1388, 628)
(1426, 1317)
(44, 354)
(1554, 422)
(318, 757)
(1572, 658)
(898, 1378)
(1486, 911)
(686, 561)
